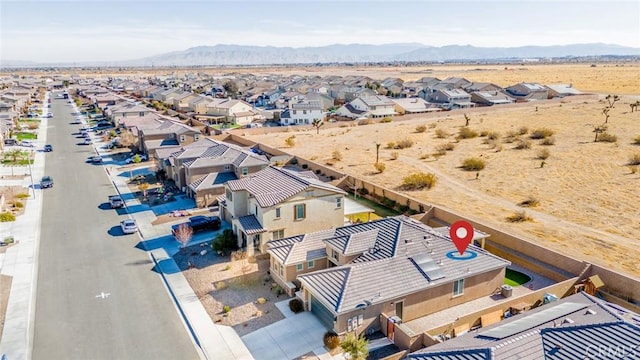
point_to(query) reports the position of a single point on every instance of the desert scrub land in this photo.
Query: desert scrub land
(581, 196)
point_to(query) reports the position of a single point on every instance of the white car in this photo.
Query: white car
(128, 226)
(27, 143)
(129, 160)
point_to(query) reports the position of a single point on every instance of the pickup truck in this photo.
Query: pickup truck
(116, 201)
(199, 223)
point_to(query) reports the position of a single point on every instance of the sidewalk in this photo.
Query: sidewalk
(21, 261)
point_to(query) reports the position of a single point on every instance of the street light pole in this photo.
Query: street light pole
(33, 187)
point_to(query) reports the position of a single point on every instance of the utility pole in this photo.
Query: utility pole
(33, 187)
(377, 151)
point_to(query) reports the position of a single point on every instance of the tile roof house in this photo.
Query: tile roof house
(528, 91)
(231, 110)
(414, 106)
(277, 202)
(375, 106)
(167, 134)
(562, 90)
(395, 266)
(579, 326)
(125, 109)
(302, 112)
(452, 99)
(490, 98)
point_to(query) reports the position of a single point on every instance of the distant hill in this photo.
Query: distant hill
(352, 53)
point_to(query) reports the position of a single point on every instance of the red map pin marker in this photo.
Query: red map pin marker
(461, 232)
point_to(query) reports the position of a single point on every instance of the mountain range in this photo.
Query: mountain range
(221, 55)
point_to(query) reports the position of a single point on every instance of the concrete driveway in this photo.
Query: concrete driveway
(287, 339)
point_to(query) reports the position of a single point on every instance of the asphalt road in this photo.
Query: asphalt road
(97, 296)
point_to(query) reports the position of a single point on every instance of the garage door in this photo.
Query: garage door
(322, 313)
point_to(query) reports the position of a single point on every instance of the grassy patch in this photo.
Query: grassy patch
(26, 136)
(515, 278)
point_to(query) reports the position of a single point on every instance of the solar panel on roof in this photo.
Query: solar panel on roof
(534, 320)
(428, 267)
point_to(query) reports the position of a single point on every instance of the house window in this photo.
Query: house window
(299, 267)
(299, 212)
(277, 213)
(182, 138)
(278, 234)
(227, 167)
(229, 194)
(196, 137)
(304, 112)
(458, 287)
(256, 210)
(338, 202)
(245, 171)
(295, 112)
(309, 194)
(311, 264)
(141, 114)
(334, 254)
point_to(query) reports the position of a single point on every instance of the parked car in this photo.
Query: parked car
(96, 159)
(27, 143)
(199, 223)
(128, 226)
(87, 141)
(130, 160)
(10, 141)
(115, 201)
(46, 182)
(48, 148)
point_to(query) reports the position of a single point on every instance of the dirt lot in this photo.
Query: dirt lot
(218, 281)
(14, 195)
(588, 201)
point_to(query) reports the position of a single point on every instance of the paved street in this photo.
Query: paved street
(97, 296)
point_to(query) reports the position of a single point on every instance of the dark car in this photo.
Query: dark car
(46, 182)
(96, 159)
(48, 148)
(199, 223)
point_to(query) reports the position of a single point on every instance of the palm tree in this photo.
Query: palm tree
(355, 346)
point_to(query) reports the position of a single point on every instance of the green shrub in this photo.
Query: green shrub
(473, 164)
(225, 242)
(331, 340)
(226, 309)
(421, 128)
(336, 155)
(548, 141)
(636, 141)
(394, 155)
(510, 137)
(7, 216)
(443, 148)
(466, 133)
(8, 240)
(296, 305)
(523, 130)
(290, 141)
(380, 167)
(18, 204)
(541, 133)
(442, 134)
(404, 144)
(390, 145)
(386, 120)
(493, 135)
(22, 196)
(607, 137)
(634, 159)
(419, 181)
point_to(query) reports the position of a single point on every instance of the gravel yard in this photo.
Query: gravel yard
(219, 281)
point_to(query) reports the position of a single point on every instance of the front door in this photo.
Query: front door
(256, 242)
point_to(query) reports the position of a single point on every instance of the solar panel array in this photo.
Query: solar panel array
(428, 267)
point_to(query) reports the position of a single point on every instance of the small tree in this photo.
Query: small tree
(230, 87)
(599, 130)
(380, 167)
(355, 346)
(317, 123)
(183, 234)
(143, 187)
(466, 120)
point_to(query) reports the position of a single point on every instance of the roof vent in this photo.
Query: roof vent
(590, 312)
(567, 321)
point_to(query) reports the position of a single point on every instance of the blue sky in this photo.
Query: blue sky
(89, 30)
